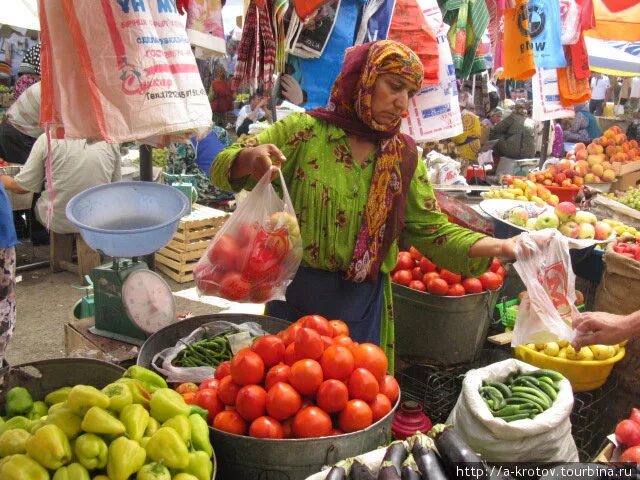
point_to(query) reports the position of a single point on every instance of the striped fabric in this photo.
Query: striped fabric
(24, 114)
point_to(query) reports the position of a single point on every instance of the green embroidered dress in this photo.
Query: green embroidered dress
(329, 191)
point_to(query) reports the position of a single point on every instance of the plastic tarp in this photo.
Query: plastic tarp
(21, 14)
(617, 20)
(614, 58)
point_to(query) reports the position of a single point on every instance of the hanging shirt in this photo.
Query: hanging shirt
(518, 55)
(545, 28)
(599, 87)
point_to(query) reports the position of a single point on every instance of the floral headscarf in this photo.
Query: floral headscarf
(350, 109)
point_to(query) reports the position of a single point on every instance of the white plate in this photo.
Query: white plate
(496, 208)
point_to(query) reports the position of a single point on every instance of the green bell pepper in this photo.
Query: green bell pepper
(50, 447)
(16, 422)
(135, 419)
(36, 424)
(13, 442)
(167, 447)
(166, 403)
(98, 420)
(139, 391)
(200, 434)
(18, 401)
(152, 427)
(151, 379)
(21, 467)
(64, 418)
(125, 458)
(143, 441)
(38, 410)
(91, 451)
(83, 397)
(57, 396)
(200, 466)
(119, 396)
(180, 424)
(153, 471)
(204, 413)
(74, 471)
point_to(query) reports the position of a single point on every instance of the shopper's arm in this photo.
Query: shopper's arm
(601, 328)
(11, 184)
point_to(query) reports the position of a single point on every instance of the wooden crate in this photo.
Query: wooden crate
(624, 168)
(625, 181)
(79, 341)
(194, 233)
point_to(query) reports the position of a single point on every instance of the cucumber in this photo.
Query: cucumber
(516, 401)
(552, 374)
(532, 398)
(502, 388)
(546, 401)
(517, 416)
(548, 389)
(507, 411)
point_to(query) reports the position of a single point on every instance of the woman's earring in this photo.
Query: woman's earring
(404, 114)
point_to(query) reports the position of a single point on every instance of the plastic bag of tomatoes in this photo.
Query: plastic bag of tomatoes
(256, 253)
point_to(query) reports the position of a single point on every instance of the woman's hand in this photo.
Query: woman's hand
(508, 248)
(256, 161)
(600, 328)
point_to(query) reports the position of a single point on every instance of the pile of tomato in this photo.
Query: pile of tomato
(310, 380)
(628, 249)
(416, 271)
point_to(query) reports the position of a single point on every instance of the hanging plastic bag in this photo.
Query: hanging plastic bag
(256, 253)
(571, 27)
(205, 28)
(544, 265)
(546, 97)
(162, 361)
(518, 63)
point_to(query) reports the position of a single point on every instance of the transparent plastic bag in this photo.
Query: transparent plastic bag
(162, 361)
(255, 255)
(544, 265)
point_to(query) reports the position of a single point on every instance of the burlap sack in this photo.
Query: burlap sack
(619, 292)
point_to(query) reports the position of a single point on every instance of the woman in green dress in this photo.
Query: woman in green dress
(359, 191)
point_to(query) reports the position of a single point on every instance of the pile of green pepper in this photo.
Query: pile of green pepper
(210, 351)
(522, 395)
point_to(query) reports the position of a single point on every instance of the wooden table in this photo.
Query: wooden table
(80, 342)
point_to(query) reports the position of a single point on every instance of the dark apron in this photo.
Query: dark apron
(325, 293)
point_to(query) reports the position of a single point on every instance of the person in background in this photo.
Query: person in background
(21, 127)
(8, 241)
(633, 130)
(29, 70)
(515, 134)
(634, 94)
(468, 142)
(221, 95)
(76, 166)
(557, 149)
(493, 118)
(600, 91)
(584, 126)
(601, 328)
(254, 111)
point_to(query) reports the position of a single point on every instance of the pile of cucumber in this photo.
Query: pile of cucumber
(522, 395)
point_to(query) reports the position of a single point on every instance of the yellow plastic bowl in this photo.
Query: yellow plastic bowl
(584, 375)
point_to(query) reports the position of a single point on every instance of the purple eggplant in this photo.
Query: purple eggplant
(340, 471)
(360, 471)
(457, 456)
(424, 455)
(388, 471)
(410, 469)
(396, 454)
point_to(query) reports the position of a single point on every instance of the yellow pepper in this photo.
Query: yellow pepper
(49, 447)
(13, 441)
(74, 471)
(167, 447)
(98, 420)
(82, 397)
(135, 419)
(125, 458)
(21, 467)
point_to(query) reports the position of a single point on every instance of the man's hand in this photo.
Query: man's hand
(600, 328)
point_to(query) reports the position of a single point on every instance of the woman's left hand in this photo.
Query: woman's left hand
(508, 248)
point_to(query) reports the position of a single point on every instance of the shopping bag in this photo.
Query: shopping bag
(544, 265)
(121, 72)
(517, 52)
(546, 97)
(571, 27)
(205, 28)
(256, 254)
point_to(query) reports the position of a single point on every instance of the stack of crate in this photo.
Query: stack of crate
(195, 231)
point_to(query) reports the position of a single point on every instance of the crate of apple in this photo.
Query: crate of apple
(415, 271)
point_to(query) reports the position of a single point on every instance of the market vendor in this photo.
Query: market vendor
(20, 129)
(253, 112)
(583, 127)
(359, 191)
(76, 166)
(28, 71)
(601, 328)
(515, 134)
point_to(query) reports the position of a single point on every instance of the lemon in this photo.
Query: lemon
(552, 349)
(602, 352)
(532, 346)
(562, 353)
(585, 353)
(563, 343)
(571, 353)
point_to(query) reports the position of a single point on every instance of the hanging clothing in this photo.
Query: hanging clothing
(546, 33)
(518, 61)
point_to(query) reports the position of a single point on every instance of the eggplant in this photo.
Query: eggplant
(388, 471)
(396, 454)
(360, 471)
(410, 469)
(427, 460)
(456, 454)
(340, 471)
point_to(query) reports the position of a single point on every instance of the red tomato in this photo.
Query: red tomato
(371, 357)
(339, 328)
(495, 265)
(490, 281)
(438, 287)
(328, 341)
(230, 421)
(631, 455)
(246, 233)
(363, 385)
(357, 415)
(311, 422)
(209, 383)
(226, 253)
(416, 273)
(261, 293)
(403, 277)
(266, 427)
(337, 362)
(415, 254)
(336, 431)
(426, 266)
(450, 277)
(389, 387)
(189, 397)
(223, 370)
(228, 390)
(343, 340)
(262, 263)
(286, 427)
(306, 376)
(251, 402)
(427, 277)
(380, 406)
(417, 285)
(472, 285)
(283, 401)
(247, 367)
(456, 290)
(190, 387)
(635, 415)
(332, 395)
(208, 399)
(502, 272)
(290, 354)
(277, 373)
(317, 323)
(289, 334)
(308, 344)
(270, 348)
(234, 286)
(405, 262)
(628, 433)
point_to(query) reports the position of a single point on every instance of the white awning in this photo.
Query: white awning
(21, 14)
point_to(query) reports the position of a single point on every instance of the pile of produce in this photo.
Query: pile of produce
(591, 163)
(563, 349)
(522, 189)
(613, 146)
(628, 436)
(416, 271)
(135, 427)
(310, 380)
(570, 221)
(629, 249)
(521, 395)
(621, 229)
(209, 351)
(630, 197)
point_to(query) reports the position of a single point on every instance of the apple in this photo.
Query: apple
(566, 183)
(602, 230)
(592, 148)
(570, 174)
(608, 175)
(518, 216)
(581, 155)
(538, 201)
(579, 146)
(565, 211)
(597, 170)
(531, 224)
(589, 177)
(586, 230)
(585, 217)
(569, 229)
(547, 220)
